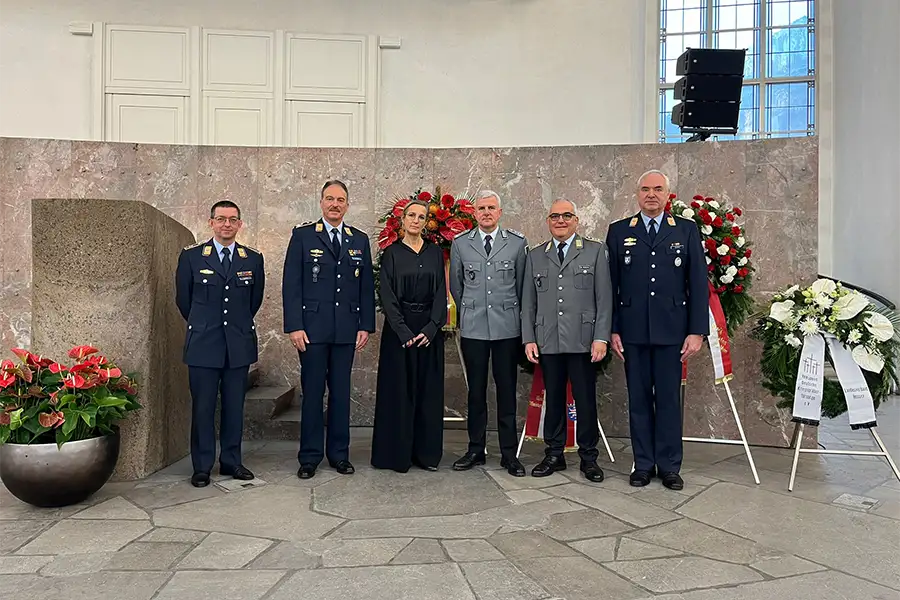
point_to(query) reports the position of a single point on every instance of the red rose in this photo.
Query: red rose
(457, 226)
(711, 267)
(466, 207)
(743, 272)
(717, 222)
(442, 214)
(697, 197)
(733, 252)
(668, 207)
(672, 196)
(729, 216)
(709, 199)
(711, 245)
(424, 196)
(447, 201)
(737, 211)
(748, 252)
(398, 207)
(720, 289)
(725, 259)
(738, 289)
(695, 204)
(735, 231)
(727, 241)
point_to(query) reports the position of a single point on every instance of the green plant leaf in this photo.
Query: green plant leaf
(71, 421)
(15, 419)
(111, 401)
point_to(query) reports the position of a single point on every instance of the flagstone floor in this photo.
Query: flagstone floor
(476, 535)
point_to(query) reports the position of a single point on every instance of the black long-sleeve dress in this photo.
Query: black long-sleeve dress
(409, 403)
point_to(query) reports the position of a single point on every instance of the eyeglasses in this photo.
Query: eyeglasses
(566, 216)
(222, 220)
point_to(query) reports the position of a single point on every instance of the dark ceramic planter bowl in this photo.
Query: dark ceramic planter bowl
(47, 476)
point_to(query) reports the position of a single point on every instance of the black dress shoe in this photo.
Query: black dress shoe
(239, 472)
(592, 471)
(344, 467)
(421, 465)
(200, 480)
(673, 481)
(306, 471)
(468, 460)
(640, 478)
(548, 466)
(513, 466)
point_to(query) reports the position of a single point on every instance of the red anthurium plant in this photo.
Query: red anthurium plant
(43, 401)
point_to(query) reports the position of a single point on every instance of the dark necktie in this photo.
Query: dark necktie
(652, 231)
(335, 242)
(226, 261)
(487, 245)
(559, 251)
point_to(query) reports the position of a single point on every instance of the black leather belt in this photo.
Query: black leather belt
(416, 307)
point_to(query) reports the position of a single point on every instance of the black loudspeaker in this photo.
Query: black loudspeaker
(709, 90)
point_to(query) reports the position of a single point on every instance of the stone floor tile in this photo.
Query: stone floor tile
(861, 544)
(220, 585)
(692, 537)
(292, 481)
(597, 549)
(414, 494)
(167, 534)
(657, 495)
(421, 551)
(332, 553)
(826, 585)
(272, 511)
(422, 582)
(287, 555)
(501, 580)
(14, 534)
(887, 508)
(13, 509)
(510, 482)
(577, 578)
(452, 527)
(786, 566)
(114, 508)
(161, 495)
(77, 537)
(11, 565)
(529, 544)
(526, 496)
(147, 556)
(630, 549)
(223, 551)
(582, 524)
(663, 575)
(77, 564)
(621, 506)
(93, 586)
(517, 517)
(471, 550)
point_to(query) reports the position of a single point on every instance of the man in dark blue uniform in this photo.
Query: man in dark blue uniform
(219, 286)
(329, 310)
(660, 308)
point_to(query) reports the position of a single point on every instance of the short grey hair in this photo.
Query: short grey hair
(558, 200)
(654, 172)
(488, 194)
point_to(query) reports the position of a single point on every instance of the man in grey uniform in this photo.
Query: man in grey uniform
(487, 268)
(566, 320)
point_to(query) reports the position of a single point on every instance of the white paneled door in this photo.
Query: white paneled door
(238, 122)
(147, 119)
(324, 124)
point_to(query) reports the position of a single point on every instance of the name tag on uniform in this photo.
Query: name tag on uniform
(245, 277)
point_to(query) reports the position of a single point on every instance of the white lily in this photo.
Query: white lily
(879, 326)
(867, 360)
(780, 311)
(823, 286)
(849, 305)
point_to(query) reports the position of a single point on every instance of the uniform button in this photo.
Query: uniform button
(560, 312)
(652, 266)
(653, 254)
(489, 263)
(253, 327)
(226, 299)
(190, 326)
(489, 276)
(225, 312)
(337, 303)
(339, 289)
(490, 306)
(225, 323)
(304, 306)
(653, 279)
(560, 275)
(560, 287)
(339, 276)
(420, 266)
(226, 287)
(247, 283)
(204, 281)
(489, 291)
(560, 300)
(339, 262)
(652, 293)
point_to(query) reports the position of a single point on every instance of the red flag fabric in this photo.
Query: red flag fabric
(534, 418)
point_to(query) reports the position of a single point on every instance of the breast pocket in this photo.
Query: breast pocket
(584, 277)
(205, 287)
(506, 271)
(314, 270)
(677, 253)
(541, 283)
(472, 273)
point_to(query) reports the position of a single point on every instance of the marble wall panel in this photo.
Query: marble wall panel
(775, 181)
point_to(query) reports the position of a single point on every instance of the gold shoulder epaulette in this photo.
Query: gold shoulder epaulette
(193, 245)
(304, 224)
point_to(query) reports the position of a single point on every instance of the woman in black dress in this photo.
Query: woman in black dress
(409, 401)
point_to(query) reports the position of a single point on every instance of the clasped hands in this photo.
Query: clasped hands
(421, 338)
(690, 347)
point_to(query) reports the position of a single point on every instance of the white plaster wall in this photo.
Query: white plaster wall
(469, 73)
